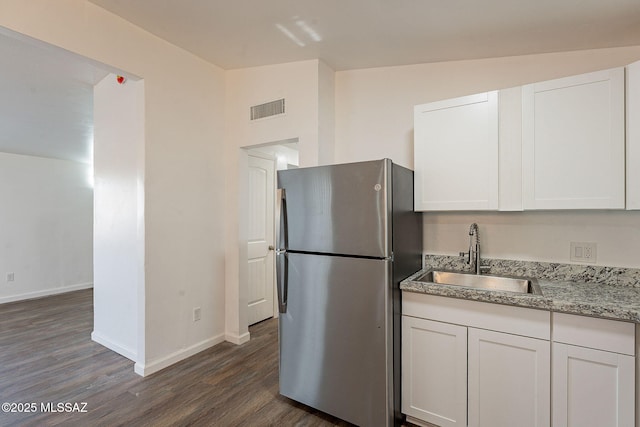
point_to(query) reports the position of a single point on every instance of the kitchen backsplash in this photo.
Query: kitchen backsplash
(542, 270)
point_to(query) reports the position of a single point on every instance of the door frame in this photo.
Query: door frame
(252, 152)
(243, 203)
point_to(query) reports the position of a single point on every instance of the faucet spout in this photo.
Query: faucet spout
(473, 255)
(473, 232)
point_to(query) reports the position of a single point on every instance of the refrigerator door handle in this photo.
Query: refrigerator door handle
(282, 273)
(282, 261)
(282, 224)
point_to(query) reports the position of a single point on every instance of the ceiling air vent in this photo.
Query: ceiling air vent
(268, 109)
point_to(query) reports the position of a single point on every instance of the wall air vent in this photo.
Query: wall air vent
(268, 109)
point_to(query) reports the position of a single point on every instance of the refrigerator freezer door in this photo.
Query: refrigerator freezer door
(339, 209)
(334, 337)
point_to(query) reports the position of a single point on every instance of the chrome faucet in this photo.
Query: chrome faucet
(473, 255)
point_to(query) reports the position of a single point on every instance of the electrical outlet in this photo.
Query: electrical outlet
(583, 252)
(11, 277)
(197, 314)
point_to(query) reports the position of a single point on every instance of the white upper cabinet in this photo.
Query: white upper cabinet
(633, 136)
(573, 142)
(558, 144)
(456, 153)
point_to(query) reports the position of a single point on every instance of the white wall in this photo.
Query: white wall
(538, 236)
(119, 214)
(184, 168)
(374, 119)
(298, 83)
(307, 119)
(45, 226)
(326, 114)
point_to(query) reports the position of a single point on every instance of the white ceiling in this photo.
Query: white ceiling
(46, 100)
(350, 34)
(46, 94)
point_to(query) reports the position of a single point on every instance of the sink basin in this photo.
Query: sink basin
(496, 283)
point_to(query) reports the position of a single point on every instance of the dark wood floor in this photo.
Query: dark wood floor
(47, 356)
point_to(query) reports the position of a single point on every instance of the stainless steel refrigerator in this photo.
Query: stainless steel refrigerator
(347, 236)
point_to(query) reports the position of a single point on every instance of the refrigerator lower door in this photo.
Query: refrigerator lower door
(336, 337)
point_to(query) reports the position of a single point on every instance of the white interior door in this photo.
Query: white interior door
(260, 241)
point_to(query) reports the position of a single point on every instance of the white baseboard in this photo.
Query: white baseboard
(111, 345)
(237, 339)
(156, 365)
(45, 292)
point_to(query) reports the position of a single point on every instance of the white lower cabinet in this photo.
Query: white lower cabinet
(434, 372)
(509, 380)
(469, 364)
(476, 364)
(593, 372)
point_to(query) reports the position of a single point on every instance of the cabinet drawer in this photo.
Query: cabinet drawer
(496, 317)
(591, 332)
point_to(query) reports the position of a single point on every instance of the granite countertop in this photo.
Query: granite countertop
(611, 293)
(616, 302)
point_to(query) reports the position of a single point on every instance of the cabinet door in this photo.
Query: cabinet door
(434, 372)
(573, 142)
(509, 380)
(456, 153)
(633, 135)
(592, 387)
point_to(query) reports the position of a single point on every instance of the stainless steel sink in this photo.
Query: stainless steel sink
(496, 283)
